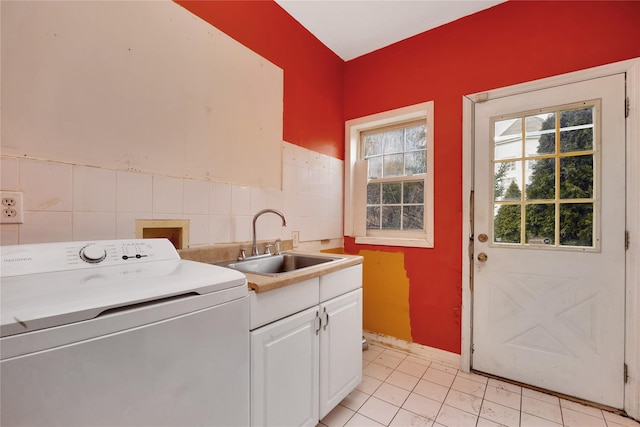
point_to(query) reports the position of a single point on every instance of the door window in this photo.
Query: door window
(545, 177)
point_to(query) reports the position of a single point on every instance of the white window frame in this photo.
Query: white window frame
(356, 180)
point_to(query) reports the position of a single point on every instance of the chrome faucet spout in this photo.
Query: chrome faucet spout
(254, 247)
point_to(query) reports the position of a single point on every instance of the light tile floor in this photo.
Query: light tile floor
(401, 389)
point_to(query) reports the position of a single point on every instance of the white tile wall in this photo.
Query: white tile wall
(274, 199)
(93, 189)
(219, 228)
(295, 155)
(196, 197)
(46, 185)
(198, 229)
(240, 200)
(94, 225)
(219, 199)
(295, 178)
(168, 196)
(126, 223)
(44, 226)
(241, 228)
(259, 200)
(73, 202)
(9, 234)
(9, 173)
(134, 192)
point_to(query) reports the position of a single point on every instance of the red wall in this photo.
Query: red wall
(313, 74)
(513, 42)
(510, 43)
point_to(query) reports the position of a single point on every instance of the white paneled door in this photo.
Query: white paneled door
(549, 239)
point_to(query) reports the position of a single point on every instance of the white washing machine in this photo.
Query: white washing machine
(121, 333)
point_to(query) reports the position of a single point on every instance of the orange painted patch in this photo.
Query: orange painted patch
(386, 294)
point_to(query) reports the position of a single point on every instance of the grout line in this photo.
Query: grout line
(520, 414)
(486, 387)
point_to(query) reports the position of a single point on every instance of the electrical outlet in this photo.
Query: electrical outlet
(12, 209)
(295, 235)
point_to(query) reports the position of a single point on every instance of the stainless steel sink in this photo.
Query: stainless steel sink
(277, 265)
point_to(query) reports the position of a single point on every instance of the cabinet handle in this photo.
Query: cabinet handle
(326, 321)
(318, 322)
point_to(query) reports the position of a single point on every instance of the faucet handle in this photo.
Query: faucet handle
(276, 244)
(243, 255)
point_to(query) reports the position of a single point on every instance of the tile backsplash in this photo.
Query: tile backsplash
(66, 202)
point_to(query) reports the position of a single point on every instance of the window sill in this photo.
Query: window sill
(387, 241)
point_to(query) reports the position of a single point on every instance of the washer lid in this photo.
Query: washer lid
(30, 302)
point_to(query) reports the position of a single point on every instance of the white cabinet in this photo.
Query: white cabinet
(304, 364)
(340, 349)
(284, 372)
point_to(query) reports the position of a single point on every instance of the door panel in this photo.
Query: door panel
(548, 302)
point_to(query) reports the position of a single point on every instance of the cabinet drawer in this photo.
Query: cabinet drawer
(340, 282)
(267, 307)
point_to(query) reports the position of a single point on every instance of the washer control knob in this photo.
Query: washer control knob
(93, 254)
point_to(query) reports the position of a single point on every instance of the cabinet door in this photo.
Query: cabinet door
(340, 349)
(285, 371)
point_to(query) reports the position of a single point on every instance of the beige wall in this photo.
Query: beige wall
(142, 86)
(117, 111)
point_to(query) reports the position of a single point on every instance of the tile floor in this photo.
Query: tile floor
(401, 389)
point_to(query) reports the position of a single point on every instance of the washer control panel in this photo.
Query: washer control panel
(49, 257)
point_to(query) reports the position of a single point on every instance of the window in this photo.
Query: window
(396, 156)
(389, 179)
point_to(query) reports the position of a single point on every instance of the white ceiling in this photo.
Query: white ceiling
(352, 28)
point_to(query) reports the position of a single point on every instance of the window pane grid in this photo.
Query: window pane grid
(553, 154)
(396, 150)
(396, 156)
(395, 205)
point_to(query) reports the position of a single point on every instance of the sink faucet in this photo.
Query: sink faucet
(254, 247)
